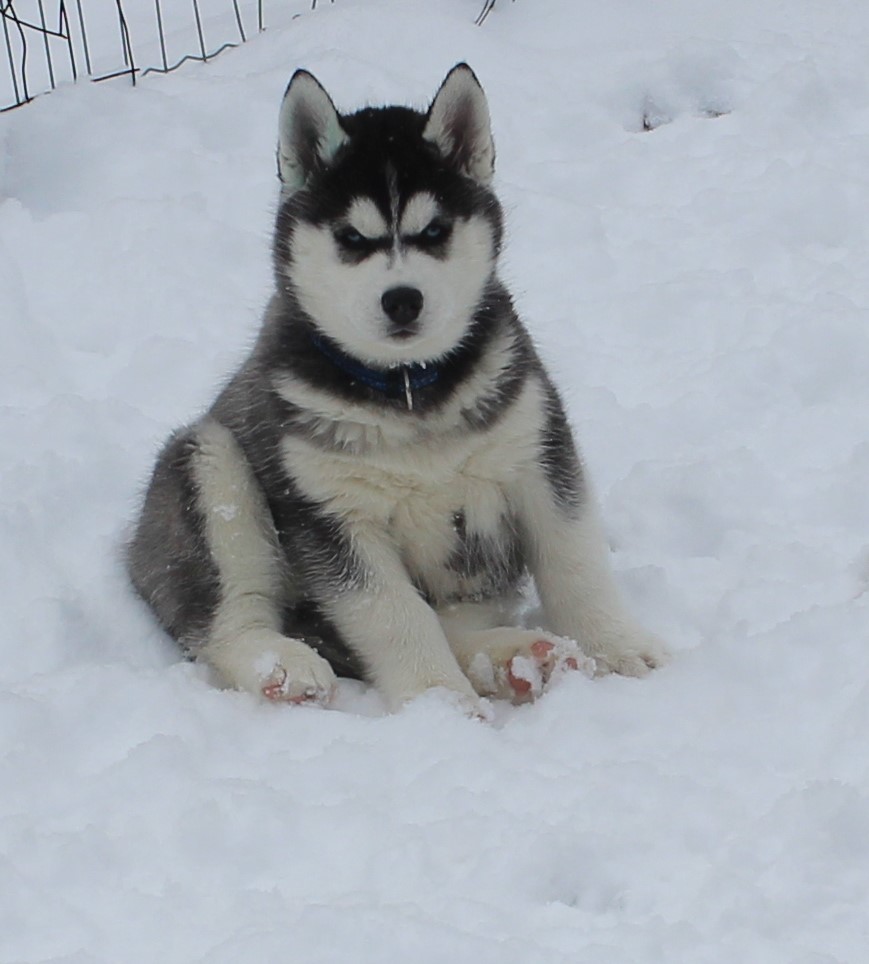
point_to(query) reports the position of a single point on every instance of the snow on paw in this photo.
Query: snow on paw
(278, 668)
(548, 658)
(519, 665)
(279, 687)
(299, 676)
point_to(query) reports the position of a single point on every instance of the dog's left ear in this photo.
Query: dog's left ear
(458, 123)
(309, 131)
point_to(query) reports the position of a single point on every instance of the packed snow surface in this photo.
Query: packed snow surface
(687, 190)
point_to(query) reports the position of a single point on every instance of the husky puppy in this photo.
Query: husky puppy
(369, 491)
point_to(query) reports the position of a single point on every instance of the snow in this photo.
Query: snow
(701, 293)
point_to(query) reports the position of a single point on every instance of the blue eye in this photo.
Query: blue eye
(434, 233)
(351, 238)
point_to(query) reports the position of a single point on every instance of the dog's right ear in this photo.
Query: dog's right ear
(309, 131)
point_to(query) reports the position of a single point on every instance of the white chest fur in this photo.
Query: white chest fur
(426, 493)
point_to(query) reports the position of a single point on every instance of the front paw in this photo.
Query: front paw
(278, 668)
(518, 664)
(631, 652)
(298, 679)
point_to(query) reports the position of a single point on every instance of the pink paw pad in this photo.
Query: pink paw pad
(276, 689)
(273, 687)
(541, 649)
(529, 675)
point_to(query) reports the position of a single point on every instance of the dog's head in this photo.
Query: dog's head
(388, 229)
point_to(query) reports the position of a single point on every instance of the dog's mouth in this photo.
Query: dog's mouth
(403, 332)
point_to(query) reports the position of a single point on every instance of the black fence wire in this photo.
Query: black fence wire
(49, 42)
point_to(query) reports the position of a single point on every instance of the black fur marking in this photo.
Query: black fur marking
(493, 564)
(318, 546)
(354, 248)
(488, 408)
(559, 457)
(306, 621)
(184, 592)
(434, 240)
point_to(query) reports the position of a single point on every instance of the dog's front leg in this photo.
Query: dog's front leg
(396, 634)
(245, 644)
(567, 555)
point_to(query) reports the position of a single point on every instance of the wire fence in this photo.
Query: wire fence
(51, 42)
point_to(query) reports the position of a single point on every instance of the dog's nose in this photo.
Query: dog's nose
(402, 305)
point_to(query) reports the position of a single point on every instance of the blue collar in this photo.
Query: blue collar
(403, 380)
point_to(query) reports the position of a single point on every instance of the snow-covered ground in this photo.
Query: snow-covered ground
(701, 291)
